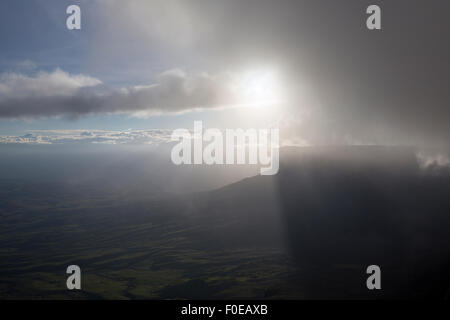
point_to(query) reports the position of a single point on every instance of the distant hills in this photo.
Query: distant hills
(341, 209)
(308, 232)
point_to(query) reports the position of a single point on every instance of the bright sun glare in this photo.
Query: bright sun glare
(259, 88)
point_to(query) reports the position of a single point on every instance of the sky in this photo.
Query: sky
(311, 68)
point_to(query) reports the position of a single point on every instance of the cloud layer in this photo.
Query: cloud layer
(154, 136)
(59, 93)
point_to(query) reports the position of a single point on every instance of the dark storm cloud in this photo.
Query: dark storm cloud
(346, 83)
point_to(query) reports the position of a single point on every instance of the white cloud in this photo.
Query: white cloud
(59, 93)
(433, 160)
(43, 84)
(153, 136)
